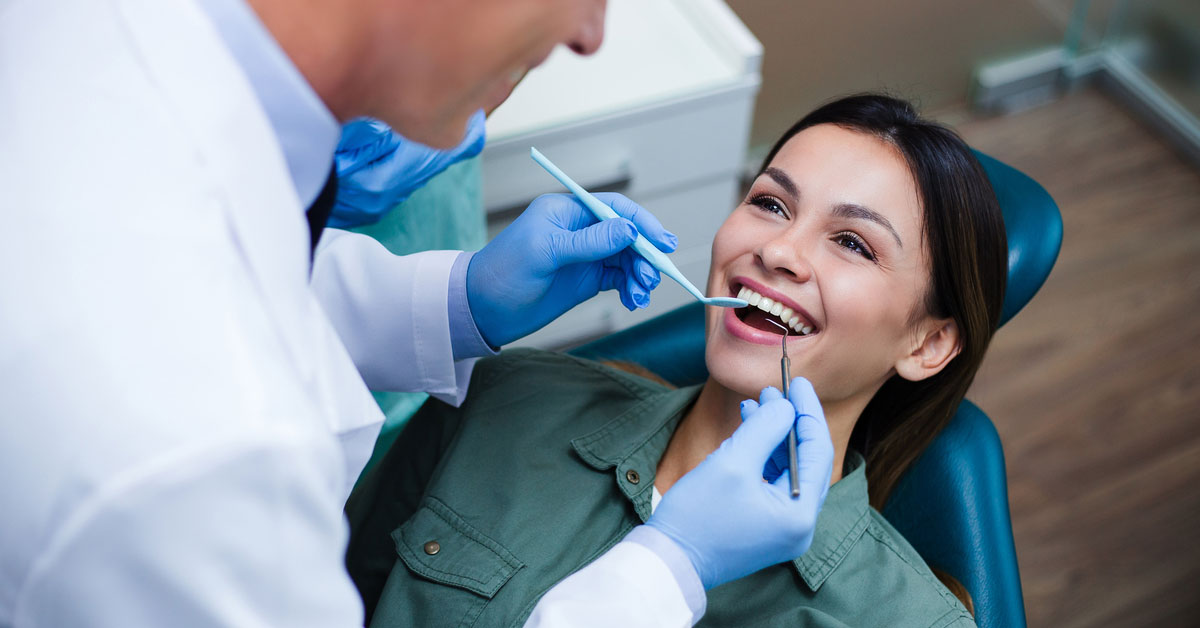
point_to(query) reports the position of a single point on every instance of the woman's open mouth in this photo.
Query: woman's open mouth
(766, 318)
(769, 315)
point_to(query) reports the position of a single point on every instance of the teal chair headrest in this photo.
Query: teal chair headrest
(1034, 229)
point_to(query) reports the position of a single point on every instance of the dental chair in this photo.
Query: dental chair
(952, 504)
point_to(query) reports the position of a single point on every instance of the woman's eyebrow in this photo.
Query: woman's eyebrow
(859, 212)
(842, 210)
(784, 181)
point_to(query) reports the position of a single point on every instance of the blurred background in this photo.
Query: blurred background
(1094, 387)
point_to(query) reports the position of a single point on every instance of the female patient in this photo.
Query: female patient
(872, 235)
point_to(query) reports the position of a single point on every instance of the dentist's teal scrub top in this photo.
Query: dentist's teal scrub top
(476, 512)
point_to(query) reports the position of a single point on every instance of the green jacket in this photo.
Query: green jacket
(477, 511)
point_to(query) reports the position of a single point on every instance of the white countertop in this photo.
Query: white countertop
(653, 51)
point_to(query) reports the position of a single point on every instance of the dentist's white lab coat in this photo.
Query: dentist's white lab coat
(181, 420)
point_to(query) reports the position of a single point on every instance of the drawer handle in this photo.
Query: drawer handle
(620, 183)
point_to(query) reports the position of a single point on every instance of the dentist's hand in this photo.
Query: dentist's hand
(555, 256)
(777, 464)
(378, 168)
(731, 523)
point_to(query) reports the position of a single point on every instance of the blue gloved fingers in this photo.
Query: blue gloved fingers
(802, 395)
(778, 460)
(636, 293)
(777, 464)
(814, 445)
(593, 243)
(367, 134)
(364, 141)
(770, 393)
(554, 256)
(647, 224)
(646, 273)
(748, 407)
(378, 168)
(758, 436)
(475, 137)
(614, 278)
(640, 278)
(814, 452)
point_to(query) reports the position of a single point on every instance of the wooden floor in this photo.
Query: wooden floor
(1095, 386)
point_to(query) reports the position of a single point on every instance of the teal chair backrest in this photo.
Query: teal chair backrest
(952, 504)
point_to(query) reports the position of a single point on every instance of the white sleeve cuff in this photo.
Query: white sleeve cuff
(677, 561)
(391, 313)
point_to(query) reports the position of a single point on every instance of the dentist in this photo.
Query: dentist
(187, 352)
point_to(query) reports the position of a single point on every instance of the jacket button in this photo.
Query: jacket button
(632, 476)
(432, 547)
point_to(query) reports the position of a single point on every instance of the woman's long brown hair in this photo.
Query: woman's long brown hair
(964, 233)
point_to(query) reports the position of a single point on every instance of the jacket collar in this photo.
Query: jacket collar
(841, 523)
(636, 439)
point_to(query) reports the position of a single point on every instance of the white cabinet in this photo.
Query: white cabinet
(661, 114)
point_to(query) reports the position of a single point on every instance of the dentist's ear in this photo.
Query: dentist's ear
(938, 343)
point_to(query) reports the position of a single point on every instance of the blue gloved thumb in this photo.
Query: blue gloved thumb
(594, 243)
(812, 433)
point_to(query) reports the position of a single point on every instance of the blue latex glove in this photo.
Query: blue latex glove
(731, 523)
(777, 464)
(555, 256)
(377, 168)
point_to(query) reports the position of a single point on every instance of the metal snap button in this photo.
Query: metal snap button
(632, 476)
(432, 547)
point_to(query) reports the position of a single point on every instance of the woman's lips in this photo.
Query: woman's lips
(738, 329)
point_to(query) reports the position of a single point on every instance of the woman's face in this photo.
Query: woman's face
(832, 230)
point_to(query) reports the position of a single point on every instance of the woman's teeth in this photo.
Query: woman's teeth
(785, 314)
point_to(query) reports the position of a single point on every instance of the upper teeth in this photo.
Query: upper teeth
(774, 308)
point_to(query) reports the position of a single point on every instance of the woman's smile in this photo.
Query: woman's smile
(769, 314)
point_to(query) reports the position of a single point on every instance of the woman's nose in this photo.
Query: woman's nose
(589, 33)
(786, 254)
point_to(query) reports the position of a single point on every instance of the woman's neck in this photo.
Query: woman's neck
(715, 416)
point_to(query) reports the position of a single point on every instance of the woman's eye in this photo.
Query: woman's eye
(854, 243)
(768, 204)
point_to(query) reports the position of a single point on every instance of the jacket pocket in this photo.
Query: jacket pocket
(439, 545)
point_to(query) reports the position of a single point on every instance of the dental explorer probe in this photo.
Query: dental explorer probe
(785, 367)
(643, 246)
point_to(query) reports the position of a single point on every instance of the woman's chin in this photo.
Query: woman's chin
(743, 380)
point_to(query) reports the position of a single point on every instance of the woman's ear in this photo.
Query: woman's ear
(938, 344)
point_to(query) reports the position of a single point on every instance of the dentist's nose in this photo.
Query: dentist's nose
(785, 254)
